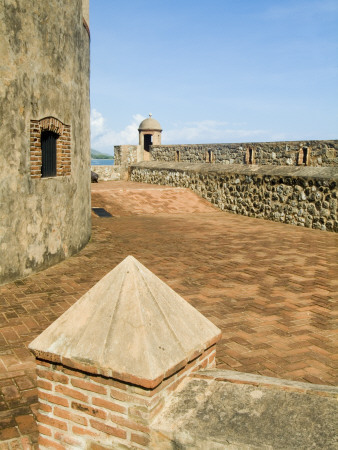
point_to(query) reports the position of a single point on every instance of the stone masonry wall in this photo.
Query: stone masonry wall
(125, 154)
(303, 196)
(310, 153)
(81, 410)
(108, 173)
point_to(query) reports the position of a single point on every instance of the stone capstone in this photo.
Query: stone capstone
(130, 326)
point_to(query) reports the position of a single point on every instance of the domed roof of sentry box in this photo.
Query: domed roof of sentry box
(130, 326)
(150, 124)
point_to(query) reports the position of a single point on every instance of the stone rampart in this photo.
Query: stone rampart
(108, 173)
(290, 153)
(126, 154)
(220, 409)
(303, 196)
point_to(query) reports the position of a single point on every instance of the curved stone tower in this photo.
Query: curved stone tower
(44, 134)
(149, 133)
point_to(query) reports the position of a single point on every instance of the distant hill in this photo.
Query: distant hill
(95, 154)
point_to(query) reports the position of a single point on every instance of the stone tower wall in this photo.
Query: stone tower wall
(44, 84)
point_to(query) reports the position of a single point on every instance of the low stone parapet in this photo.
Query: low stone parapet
(221, 409)
(108, 173)
(303, 196)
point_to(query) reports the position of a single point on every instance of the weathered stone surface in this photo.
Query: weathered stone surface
(304, 196)
(44, 52)
(124, 155)
(108, 173)
(212, 414)
(130, 326)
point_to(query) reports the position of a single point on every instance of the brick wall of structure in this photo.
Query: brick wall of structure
(63, 146)
(77, 408)
(303, 196)
(293, 153)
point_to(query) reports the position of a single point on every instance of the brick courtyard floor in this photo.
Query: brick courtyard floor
(270, 287)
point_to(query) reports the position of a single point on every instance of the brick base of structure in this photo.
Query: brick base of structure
(82, 410)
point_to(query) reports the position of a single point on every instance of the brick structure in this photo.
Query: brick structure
(109, 365)
(78, 406)
(63, 145)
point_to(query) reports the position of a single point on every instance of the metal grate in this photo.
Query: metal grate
(101, 212)
(48, 148)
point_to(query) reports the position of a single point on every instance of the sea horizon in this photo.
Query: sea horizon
(102, 162)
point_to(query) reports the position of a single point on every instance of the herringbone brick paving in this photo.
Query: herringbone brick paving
(270, 287)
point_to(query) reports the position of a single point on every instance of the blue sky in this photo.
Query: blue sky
(216, 71)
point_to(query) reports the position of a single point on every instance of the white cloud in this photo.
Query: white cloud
(209, 131)
(103, 138)
(96, 123)
(206, 131)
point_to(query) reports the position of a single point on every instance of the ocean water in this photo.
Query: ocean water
(102, 162)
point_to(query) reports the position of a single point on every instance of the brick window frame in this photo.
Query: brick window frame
(63, 146)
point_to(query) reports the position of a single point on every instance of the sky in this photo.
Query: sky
(216, 71)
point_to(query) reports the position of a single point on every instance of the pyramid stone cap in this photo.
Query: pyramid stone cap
(150, 124)
(130, 326)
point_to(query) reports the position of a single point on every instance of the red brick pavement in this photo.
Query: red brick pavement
(270, 287)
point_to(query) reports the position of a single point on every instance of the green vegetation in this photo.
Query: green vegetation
(95, 154)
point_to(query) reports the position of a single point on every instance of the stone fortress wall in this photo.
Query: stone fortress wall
(125, 155)
(289, 153)
(107, 173)
(290, 182)
(304, 196)
(44, 87)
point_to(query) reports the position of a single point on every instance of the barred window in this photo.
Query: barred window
(48, 149)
